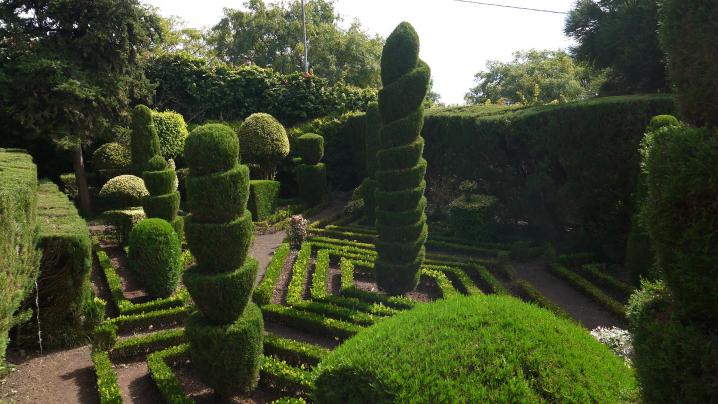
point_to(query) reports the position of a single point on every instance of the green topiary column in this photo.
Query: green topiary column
(225, 335)
(144, 142)
(163, 201)
(373, 142)
(311, 174)
(400, 219)
(155, 256)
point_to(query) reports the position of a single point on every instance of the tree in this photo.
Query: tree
(178, 37)
(534, 77)
(622, 36)
(272, 36)
(70, 68)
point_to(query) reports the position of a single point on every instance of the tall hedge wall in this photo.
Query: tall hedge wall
(18, 216)
(566, 169)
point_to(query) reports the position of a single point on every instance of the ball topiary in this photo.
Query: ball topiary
(400, 168)
(112, 159)
(263, 142)
(211, 148)
(123, 191)
(157, 163)
(474, 349)
(310, 148)
(144, 143)
(172, 132)
(155, 255)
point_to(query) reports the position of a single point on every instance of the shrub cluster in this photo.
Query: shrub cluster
(423, 354)
(111, 160)
(155, 256)
(400, 168)
(225, 335)
(172, 133)
(311, 174)
(263, 142)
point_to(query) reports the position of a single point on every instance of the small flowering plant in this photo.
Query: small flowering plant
(297, 230)
(617, 339)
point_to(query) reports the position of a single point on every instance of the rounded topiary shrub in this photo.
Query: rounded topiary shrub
(155, 255)
(264, 142)
(123, 191)
(310, 148)
(172, 132)
(211, 148)
(473, 219)
(112, 159)
(474, 349)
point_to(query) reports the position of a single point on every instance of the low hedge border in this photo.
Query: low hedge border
(376, 309)
(394, 302)
(459, 278)
(309, 322)
(442, 282)
(293, 352)
(295, 290)
(107, 385)
(263, 292)
(170, 388)
(489, 279)
(280, 375)
(337, 312)
(589, 289)
(144, 344)
(603, 280)
(346, 268)
(321, 273)
(533, 295)
(142, 320)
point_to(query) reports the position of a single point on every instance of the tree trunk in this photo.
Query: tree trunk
(83, 192)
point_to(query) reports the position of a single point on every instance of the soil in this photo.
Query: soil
(263, 249)
(426, 291)
(334, 283)
(136, 384)
(131, 286)
(100, 287)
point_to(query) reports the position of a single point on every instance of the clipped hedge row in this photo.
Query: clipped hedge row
(170, 388)
(309, 322)
(589, 290)
(107, 384)
(263, 292)
(295, 290)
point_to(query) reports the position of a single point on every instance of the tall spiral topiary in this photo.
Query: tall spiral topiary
(225, 335)
(400, 218)
(144, 141)
(373, 143)
(164, 199)
(311, 174)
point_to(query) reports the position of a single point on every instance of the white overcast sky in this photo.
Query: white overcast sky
(457, 39)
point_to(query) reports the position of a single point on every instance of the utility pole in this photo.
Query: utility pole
(306, 45)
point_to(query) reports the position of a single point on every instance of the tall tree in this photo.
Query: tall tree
(271, 36)
(70, 68)
(534, 77)
(620, 35)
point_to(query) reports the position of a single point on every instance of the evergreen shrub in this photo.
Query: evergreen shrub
(310, 148)
(144, 143)
(111, 160)
(212, 149)
(263, 196)
(312, 180)
(155, 255)
(473, 219)
(264, 142)
(124, 191)
(218, 197)
(172, 132)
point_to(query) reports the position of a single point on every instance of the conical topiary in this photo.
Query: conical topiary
(400, 219)
(225, 335)
(144, 142)
(311, 174)
(373, 143)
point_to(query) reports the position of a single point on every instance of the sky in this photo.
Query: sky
(457, 39)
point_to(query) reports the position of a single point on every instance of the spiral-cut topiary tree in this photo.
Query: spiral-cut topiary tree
(144, 142)
(400, 218)
(373, 143)
(164, 199)
(225, 335)
(311, 174)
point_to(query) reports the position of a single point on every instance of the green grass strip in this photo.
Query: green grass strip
(170, 388)
(107, 385)
(294, 352)
(309, 322)
(321, 275)
(589, 289)
(144, 344)
(263, 292)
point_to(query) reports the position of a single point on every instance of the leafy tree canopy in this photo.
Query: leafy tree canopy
(534, 77)
(620, 35)
(271, 36)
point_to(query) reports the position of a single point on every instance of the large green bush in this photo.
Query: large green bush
(263, 196)
(111, 160)
(18, 217)
(372, 144)
(400, 188)
(144, 142)
(310, 148)
(473, 219)
(226, 334)
(556, 167)
(474, 349)
(123, 192)
(263, 141)
(155, 255)
(172, 132)
(689, 36)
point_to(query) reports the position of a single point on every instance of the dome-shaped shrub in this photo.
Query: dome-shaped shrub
(264, 142)
(482, 349)
(172, 131)
(310, 147)
(155, 255)
(123, 191)
(112, 159)
(211, 148)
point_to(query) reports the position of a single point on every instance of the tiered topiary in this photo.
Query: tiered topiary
(400, 218)
(471, 216)
(311, 174)
(225, 335)
(111, 160)
(264, 143)
(373, 143)
(155, 256)
(164, 199)
(172, 132)
(144, 143)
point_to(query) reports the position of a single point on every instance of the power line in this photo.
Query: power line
(512, 7)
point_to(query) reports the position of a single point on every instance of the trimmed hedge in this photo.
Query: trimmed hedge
(400, 188)
(423, 355)
(310, 148)
(211, 148)
(155, 256)
(473, 219)
(172, 133)
(589, 289)
(208, 242)
(294, 352)
(263, 293)
(311, 323)
(107, 385)
(144, 143)
(263, 195)
(112, 159)
(164, 199)
(19, 260)
(123, 220)
(163, 376)
(312, 181)
(218, 197)
(554, 166)
(321, 275)
(295, 289)
(124, 191)
(263, 141)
